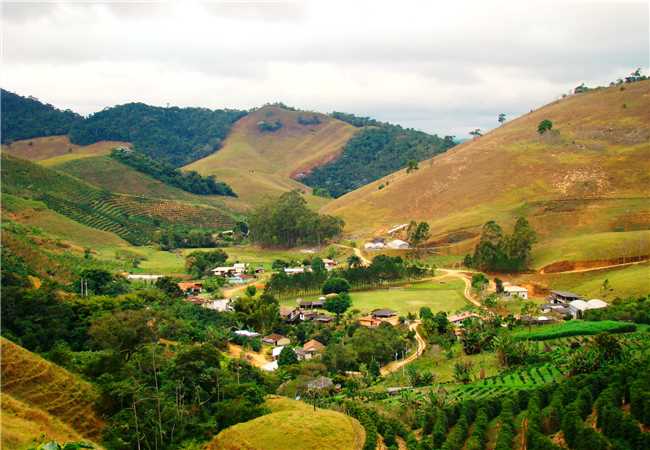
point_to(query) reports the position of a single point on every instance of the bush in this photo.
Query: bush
(544, 126)
(336, 285)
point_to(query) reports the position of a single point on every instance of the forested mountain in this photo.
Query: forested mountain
(27, 117)
(177, 135)
(377, 150)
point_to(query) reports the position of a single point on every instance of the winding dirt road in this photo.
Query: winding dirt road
(468, 284)
(364, 261)
(394, 366)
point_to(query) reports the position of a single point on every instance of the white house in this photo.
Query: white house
(515, 291)
(398, 244)
(235, 269)
(294, 270)
(222, 305)
(276, 352)
(373, 245)
(246, 333)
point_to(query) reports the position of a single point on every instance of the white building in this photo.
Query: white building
(373, 245)
(246, 333)
(294, 270)
(143, 277)
(398, 244)
(222, 305)
(515, 291)
(270, 366)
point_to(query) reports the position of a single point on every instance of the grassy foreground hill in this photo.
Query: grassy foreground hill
(292, 425)
(259, 163)
(40, 397)
(584, 185)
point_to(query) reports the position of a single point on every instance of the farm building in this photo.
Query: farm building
(373, 245)
(221, 305)
(288, 314)
(315, 304)
(144, 278)
(312, 348)
(578, 307)
(379, 316)
(398, 244)
(457, 319)
(562, 297)
(515, 291)
(276, 339)
(294, 270)
(228, 271)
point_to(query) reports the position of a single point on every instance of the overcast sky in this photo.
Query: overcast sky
(444, 67)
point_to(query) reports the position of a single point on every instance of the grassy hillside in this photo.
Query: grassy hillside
(53, 150)
(292, 425)
(257, 163)
(40, 385)
(587, 178)
(132, 218)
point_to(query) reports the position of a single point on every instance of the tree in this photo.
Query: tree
(101, 282)
(354, 261)
(317, 265)
(544, 126)
(250, 291)
(411, 165)
(499, 285)
(339, 304)
(476, 133)
(123, 332)
(417, 233)
(199, 263)
(463, 371)
(479, 282)
(169, 286)
(336, 285)
(287, 357)
(502, 118)
(530, 310)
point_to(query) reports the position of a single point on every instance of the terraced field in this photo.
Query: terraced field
(40, 384)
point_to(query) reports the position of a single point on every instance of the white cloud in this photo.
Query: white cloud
(444, 68)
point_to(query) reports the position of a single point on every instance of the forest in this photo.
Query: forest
(27, 117)
(160, 170)
(374, 152)
(175, 135)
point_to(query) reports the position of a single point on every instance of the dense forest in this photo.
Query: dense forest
(176, 135)
(26, 117)
(188, 181)
(373, 153)
(288, 222)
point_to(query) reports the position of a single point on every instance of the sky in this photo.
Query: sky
(442, 67)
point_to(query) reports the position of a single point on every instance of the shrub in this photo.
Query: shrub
(544, 126)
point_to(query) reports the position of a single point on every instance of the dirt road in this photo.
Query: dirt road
(591, 269)
(468, 284)
(364, 261)
(421, 346)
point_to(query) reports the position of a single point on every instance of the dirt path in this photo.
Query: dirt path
(421, 346)
(256, 359)
(232, 291)
(364, 261)
(468, 284)
(591, 269)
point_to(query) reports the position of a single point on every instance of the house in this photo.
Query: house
(240, 267)
(259, 270)
(223, 271)
(307, 315)
(320, 383)
(515, 291)
(329, 264)
(312, 348)
(386, 315)
(144, 278)
(457, 319)
(276, 339)
(288, 314)
(562, 297)
(397, 244)
(322, 318)
(247, 334)
(369, 322)
(315, 304)
(190, 287)
(294, 270)
(556, 309)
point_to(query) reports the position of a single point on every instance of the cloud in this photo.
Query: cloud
(444, 68)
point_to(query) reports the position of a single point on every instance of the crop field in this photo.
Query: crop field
(447, 296)
(38, 383)
(573, 328)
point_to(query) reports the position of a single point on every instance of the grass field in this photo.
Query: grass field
(57, 149)
(447, 296)
(42, 385)
(292, 425)
(258, 164)
(589, 178)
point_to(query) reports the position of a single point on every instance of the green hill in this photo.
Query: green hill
(584, 186)
(27, 117)
(176, 135)
(50, 395)
(292, 425)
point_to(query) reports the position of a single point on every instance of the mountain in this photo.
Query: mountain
(27, 117)
(377, 150)
(584, 185)
(176, 135)
(270, 147)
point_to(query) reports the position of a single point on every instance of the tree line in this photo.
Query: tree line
(189, 181)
